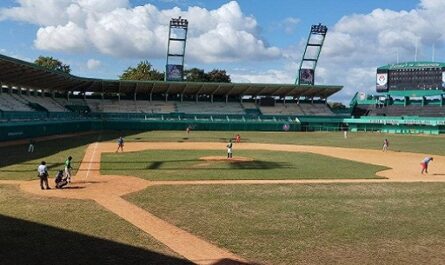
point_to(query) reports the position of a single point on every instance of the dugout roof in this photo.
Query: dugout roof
(28, 75)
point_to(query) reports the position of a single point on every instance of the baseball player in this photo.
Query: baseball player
(424, 164)
(229, 149)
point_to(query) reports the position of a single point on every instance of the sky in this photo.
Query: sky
(254, 41)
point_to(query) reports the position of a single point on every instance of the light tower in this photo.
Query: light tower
(177, 39)
(311, 54)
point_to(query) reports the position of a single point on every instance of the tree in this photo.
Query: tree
(143, 71)
(218, 76)
(198, 75)
(195, 75)
(52, 64)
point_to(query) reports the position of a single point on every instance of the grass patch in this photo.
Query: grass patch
(37, 230)
(428, 144)
(186, 165)
(311, 224)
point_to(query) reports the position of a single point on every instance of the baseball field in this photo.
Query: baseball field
(174, 198)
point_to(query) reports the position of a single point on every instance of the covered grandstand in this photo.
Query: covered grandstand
(409, 99)
(30, 92)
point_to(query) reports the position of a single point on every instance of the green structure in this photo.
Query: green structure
(177, 34)
(311, 54)
(410, 99)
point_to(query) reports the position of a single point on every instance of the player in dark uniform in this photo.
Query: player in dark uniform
(120, 144)
(43, 175)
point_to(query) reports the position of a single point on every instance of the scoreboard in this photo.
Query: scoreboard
(411, 76)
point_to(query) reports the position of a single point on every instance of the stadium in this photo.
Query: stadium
(307, 184)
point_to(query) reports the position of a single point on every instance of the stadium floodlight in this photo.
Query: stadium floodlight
(306, 71)
(177, 39)
(179, 22)
(319, 29)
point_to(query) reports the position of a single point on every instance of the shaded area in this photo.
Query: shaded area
(220, 165)
(24, 242)
(54, 152)
(17, 154)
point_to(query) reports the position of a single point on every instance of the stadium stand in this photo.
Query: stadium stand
(282, 109)
(249, 105)
(47, 102)
(210, 108)
(316, 109)
(398, 110)
(79, 103)
(10, 102)
(130, 106)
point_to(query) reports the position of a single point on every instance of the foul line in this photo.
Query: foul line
(92, 157)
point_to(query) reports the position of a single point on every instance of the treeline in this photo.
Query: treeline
(144, 71)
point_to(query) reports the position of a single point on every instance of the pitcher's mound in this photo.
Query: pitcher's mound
(224, 158)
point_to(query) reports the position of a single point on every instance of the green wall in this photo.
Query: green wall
(23, 130)
(31, 129)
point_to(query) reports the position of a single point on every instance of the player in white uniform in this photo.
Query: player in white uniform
(229, 149)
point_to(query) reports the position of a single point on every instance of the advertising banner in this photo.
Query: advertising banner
(174, 72)
(382, 82)
(306, 77)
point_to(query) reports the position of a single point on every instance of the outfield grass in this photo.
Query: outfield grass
(37, 230)
(311, 224)
(186, 165)
(409, 143)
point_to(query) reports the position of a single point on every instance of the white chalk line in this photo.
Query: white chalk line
(92, 157)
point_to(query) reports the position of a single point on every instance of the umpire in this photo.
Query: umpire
(43, 175)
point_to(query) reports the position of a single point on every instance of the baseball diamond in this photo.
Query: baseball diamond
(222, 132)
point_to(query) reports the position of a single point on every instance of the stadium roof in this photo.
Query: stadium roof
(412, 65)
(28, 75)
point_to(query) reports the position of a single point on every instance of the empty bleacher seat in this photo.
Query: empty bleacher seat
(12, 103)
(301, 109)
(210, 108)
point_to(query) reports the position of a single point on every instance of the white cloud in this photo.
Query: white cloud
(285, 75)
(224, 34)
(357, 44)
(57, 12)
(289, 24)
(69, 37)
(93, 64)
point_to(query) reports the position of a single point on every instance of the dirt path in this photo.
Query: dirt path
(108, 190)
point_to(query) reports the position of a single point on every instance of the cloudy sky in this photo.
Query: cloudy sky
(253, 40)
